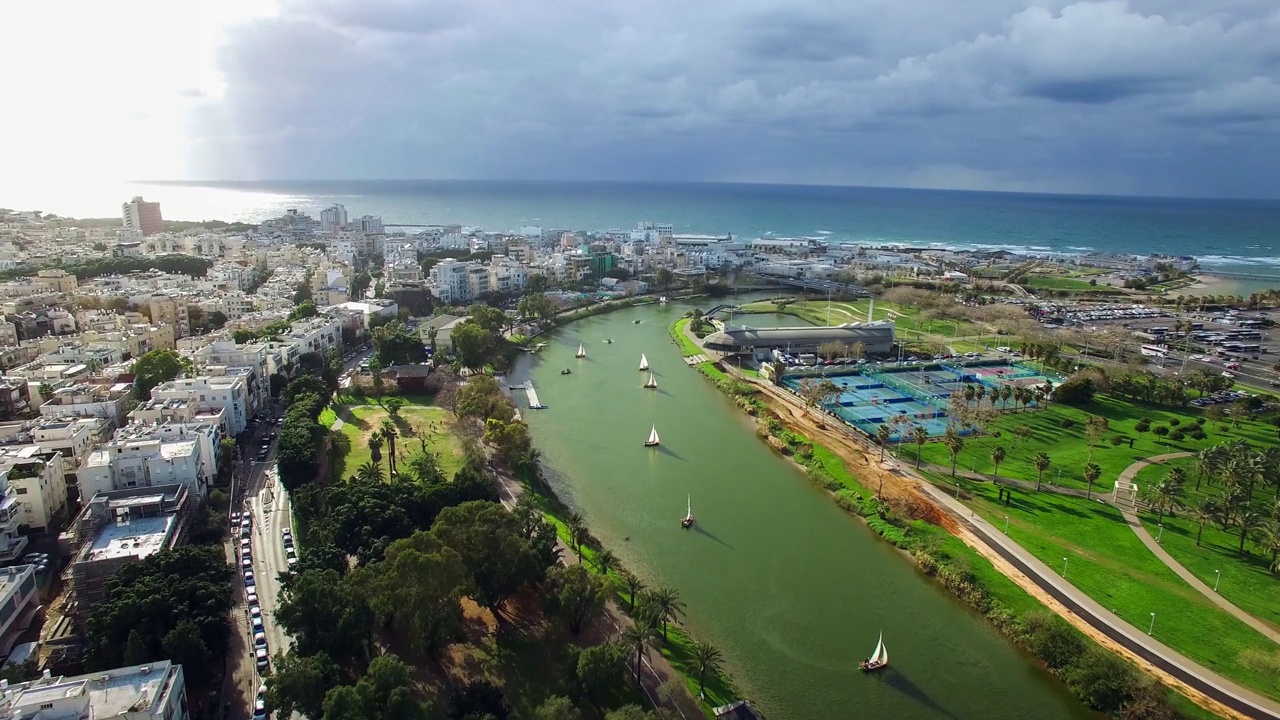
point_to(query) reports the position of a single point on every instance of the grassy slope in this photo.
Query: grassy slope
(1068, 448)
(362, 420)
(1246, 580)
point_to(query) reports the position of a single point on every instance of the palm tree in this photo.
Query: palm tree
(1205, 512)
(979, 392)
(667, 602)
(389, 434)
(1041, 462)
(605, 561)
(1269, 541)
(1091, 473)
(94, 365)
(997, 457)
(706, 657)
(1247, 519)
(1166, 495)
(577, 532)
(970, 392)
(921, 436)
(370, 472)
(633, 585)
(1206, 464)
(1006, 392)
(640, 637)
(954, 444)
(375, 446)
(883, 433)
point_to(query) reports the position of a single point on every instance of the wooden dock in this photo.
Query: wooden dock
(534, 403)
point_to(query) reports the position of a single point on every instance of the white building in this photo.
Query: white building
(155, 691)
(367, 224)
(229, 392)
(224, 358)
(12, 542)
(449, 281)
(39, 482)
(147, 459)
(17, 597)
(333, 218)
(142, 216)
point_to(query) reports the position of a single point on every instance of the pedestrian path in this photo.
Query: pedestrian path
(1158, 550)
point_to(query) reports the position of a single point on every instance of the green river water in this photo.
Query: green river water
(793, 590)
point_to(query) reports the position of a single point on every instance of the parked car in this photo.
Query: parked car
(256, 624)
(260, 639)
(263, 658)
(260, 704)
(246, 562)
(249, 580)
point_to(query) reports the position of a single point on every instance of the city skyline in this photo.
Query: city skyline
(1138, 98)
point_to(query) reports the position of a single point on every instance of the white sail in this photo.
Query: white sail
(881, 655)
(690, 513)
(582, 351)
(644, 362)
(652, 382)
(653, 436)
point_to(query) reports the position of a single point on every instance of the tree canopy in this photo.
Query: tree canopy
(395, 344)
(157, 366)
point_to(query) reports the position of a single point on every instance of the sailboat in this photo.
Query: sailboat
(653, 438)
(644, 362)
(879, 659)
(687, 522)
(582, 351)
(651, 383)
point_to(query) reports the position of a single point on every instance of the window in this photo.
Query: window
(21, 491)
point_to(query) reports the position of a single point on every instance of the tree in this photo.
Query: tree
(706, 657)
(370, 472)
(395, 344)
(921, 436)
(153, 368)
(667, 604)
(883, 433)
(664, 277)
(1166, 495)
(557, 708)
(327, 613)
(388, 428)
(638, 637)
(1246, 519)
(499, 560)
(605, 561)
(1091, 474)
(997, 457)
(299, 683)
(954, 445)
(184, 645)
(1205, 512)
(46, 391)
(478, 699)
(633, 585)
(135, 651)
(217, 319)
(1041, 462)
(1075, 391)
(577, 532)
(599, 668)
(1051, 639)
(629, 712)
(576, 595)
(393, 405)
(471, 342)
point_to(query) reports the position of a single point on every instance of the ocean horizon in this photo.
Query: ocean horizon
(1229, 235)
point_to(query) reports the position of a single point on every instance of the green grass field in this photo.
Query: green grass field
(687, 346)
(1057, 282)
(1069, 449)
(417, 423)
(1246, 580)
(1109, 563)
(908, 318)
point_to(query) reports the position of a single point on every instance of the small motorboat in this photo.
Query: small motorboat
(653, 438)
(565, 371)
(688, 520)
(608, 341)
(637, 322)
(879, 659)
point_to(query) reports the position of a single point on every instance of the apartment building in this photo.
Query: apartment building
(228, 392)
(155, 691)
(142, 216)
(149, 456)
(59, 281)
(17, 602)
(12, 543)
(116, 529)
(228, 358)
(318, 334)
(15, 397)
(169, 311)
(39, 483)
(89, 401)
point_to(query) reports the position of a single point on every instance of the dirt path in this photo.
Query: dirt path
(896, 483)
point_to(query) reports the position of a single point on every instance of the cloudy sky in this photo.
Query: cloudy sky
(1146, 97)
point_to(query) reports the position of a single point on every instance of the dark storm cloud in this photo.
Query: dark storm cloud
(1158, 96)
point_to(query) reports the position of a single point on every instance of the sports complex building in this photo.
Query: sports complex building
(876, 338)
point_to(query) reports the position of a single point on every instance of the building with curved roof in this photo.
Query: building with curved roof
(876, 338)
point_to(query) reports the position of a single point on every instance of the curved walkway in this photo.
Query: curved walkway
(1134, 522)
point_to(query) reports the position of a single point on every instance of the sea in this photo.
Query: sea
(1234, 236)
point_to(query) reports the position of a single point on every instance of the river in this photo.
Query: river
(793, 590)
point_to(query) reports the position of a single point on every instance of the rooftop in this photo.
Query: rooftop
(98, 695)
(137, 537)
(11, 577)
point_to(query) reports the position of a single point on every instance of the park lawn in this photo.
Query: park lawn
(1109, 563)
(855, 311)
(327, 417)
(687, 346)
(415, 421)
(1246, 580)
(1068, 448)
(1057, 282)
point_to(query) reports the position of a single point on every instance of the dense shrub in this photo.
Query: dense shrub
(1177, 435)
(1066, 422)
(1075, 391)
(1174, 421)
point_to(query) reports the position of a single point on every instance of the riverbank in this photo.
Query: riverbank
(897, 510)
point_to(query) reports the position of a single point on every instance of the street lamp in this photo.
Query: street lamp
(1006, 524)
(1153, 624)
(1064, 568)
(1217, 578)
(1160, 533)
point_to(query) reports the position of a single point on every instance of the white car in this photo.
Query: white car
(251, 597)
(255, 611)
(258, 628)
(260, 654)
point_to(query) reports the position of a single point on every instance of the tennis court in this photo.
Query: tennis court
(902, 398)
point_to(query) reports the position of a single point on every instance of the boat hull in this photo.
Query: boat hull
(651, 444)
(872, 667)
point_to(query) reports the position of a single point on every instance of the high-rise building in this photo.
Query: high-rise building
(143, 216)
(368, 224)
(333, 218)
